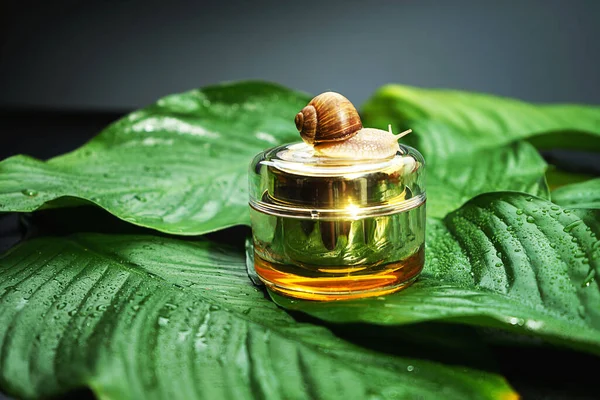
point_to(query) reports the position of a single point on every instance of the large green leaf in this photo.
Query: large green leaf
(473, 142)
(504, 259)
(578, 195)
(453, 179)
(480, 120)
(147, 317)
(178, 166)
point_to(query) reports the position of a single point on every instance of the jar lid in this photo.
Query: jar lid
(292, 181)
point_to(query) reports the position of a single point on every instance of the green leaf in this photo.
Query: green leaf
(505, 260)
(178, 166)
(557, 177)
(473, 142)
(480, 120)
(578, 195)
(453, 179)
(149, 317)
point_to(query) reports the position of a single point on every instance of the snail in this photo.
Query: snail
(331, 124)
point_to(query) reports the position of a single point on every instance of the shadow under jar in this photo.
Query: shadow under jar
(330, 229)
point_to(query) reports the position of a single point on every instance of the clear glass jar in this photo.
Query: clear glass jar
(328, 229)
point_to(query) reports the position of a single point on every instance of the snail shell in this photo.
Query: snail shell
(331, 124)
(328, 118)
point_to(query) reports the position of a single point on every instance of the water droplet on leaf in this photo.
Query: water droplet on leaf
(29, 192)
(589, 278)
(572, 225)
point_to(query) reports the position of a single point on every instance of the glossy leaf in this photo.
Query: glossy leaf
(505, 260)
(178, 166)
(453, 179)
(452, 121)
(148, 317)
(578, 195)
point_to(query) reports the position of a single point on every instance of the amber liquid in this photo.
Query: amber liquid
(339, 259)
(327, 283)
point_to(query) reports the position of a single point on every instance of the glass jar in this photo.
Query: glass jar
(329, 229)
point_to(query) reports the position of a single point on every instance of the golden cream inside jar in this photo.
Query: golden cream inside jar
(332, 228)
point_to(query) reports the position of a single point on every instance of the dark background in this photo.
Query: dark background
(68, 68)
(117, 55)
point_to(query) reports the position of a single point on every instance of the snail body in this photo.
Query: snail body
(368, 143)
(331, 124)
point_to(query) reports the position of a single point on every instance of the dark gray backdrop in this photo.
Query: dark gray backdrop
(124, 54)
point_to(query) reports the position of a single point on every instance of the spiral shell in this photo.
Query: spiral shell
(328, 118)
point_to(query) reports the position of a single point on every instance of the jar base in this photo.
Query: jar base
(325, 286)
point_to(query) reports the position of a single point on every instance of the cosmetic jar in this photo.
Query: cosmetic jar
(331, 229)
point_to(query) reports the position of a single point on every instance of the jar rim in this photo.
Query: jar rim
(292, 179)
